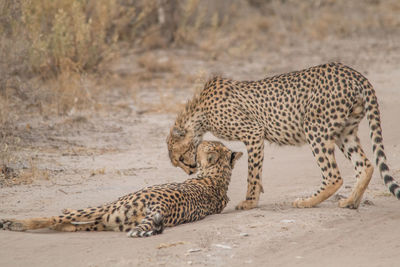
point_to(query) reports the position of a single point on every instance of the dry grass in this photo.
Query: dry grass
(75, 36)
(51, 52)
(8, 144)
(49, 37)
(50, 49)
(259, 24)
(152, 64)
(16, 175)
(47, 46)
(11, 177)
(61, 36)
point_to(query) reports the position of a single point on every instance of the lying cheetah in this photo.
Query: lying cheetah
(321, 106)
(149, 210)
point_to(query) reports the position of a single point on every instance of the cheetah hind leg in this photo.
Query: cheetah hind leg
(331, 179)
(350, 145)
(152, 224)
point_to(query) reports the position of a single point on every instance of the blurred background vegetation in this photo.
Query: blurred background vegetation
(52, 51)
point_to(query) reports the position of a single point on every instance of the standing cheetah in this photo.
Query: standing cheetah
(149, 210)
(321, 106)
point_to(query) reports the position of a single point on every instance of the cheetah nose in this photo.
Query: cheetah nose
(190, 172)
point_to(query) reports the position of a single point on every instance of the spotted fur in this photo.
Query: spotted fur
(148, 211)
(321, 106)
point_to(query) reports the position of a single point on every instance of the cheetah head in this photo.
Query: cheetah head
(182, 146)
(210, 153)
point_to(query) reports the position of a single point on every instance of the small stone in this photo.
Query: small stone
(222, 246)
(368, 202)
(287, 221)
(168, 245)
(192, 250)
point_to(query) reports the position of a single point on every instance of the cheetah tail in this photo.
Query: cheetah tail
(60, 222)
(83, 216)
(158, 222)
(374, 121)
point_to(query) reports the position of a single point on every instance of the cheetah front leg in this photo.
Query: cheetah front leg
(255, 152)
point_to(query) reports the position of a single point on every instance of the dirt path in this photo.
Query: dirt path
(93, 159)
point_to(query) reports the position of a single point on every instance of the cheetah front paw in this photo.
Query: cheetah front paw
(11, 225)
(247, 205)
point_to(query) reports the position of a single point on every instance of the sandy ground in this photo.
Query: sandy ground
(94, 157)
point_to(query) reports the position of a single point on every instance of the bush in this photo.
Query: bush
(61, 35)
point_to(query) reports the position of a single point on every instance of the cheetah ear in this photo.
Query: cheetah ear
(234, 157)
(212, 158)
(177, 133)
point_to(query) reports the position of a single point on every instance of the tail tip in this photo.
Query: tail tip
(393, 186)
